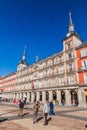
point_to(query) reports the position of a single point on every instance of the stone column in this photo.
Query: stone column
(59, 96)
(17, 96)
(37, 96)
(68, 97)
(43, 96)
(50, 96)
(13, 95)
(20, 95)
(32, 97)
(10, 95)
(28, 97)
(81, 98)
(23, 95)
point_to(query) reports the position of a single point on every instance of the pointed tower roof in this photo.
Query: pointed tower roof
(71, 30)
(37, 58)
(71, 26)
(70, 19)
(23, 60)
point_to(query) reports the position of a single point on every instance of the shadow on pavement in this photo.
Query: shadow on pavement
(86, 126)
(24, 116)
(25, 113)
(1, 120)
(40, 118)
(8, 112)
(49, 119)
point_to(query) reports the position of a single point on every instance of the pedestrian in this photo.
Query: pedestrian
(51, 105)
(14, 101)
(21, 106)
(45, 112)
(35, 112)
(57, 102)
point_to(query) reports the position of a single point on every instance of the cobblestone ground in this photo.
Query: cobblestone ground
(11, 126)
(66, 118)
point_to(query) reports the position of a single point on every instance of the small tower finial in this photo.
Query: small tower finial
(25, 47)
(24, 55)
(37, 58)
(70, 19)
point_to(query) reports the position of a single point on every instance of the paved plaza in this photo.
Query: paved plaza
(66, 118)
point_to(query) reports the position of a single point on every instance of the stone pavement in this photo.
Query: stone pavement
(66, 118)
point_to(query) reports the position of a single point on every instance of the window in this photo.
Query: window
(84, 64)
(84, 52)
(70, 67)
(85, 78)
(61, 80)
(61, 69)
(69, 45)
(71, 79)
(69, 55)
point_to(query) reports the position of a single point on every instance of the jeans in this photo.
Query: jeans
(46, 122)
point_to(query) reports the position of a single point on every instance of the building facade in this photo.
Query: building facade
(81, 52)
(7, 85)
(54, 78)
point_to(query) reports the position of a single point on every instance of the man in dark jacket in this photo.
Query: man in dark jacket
(21, 106)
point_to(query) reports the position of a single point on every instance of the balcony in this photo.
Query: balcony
(61, 61)
(82, 69)
(61, 73)
(70, 70)
(83, 56)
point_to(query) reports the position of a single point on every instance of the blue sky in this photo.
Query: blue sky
(39, 24)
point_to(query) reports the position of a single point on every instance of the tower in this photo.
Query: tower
(70, 42)
(22, 64)
(72, 38)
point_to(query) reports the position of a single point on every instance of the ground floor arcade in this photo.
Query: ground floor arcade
(67, 96)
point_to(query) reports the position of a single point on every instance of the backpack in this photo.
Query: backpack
(21, 105)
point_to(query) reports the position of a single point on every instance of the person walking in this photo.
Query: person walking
(21, 106)
(45, 112)
(51, 105)
(35, 112)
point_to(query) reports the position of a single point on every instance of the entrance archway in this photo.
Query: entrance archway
(22, 95)
(63, 97)
(25, 97)
(30, 96)
(54, 96)
(34, 96)
(47, 95)
(40, 96)
(74, 97)
(85, 94)
(15, 95)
